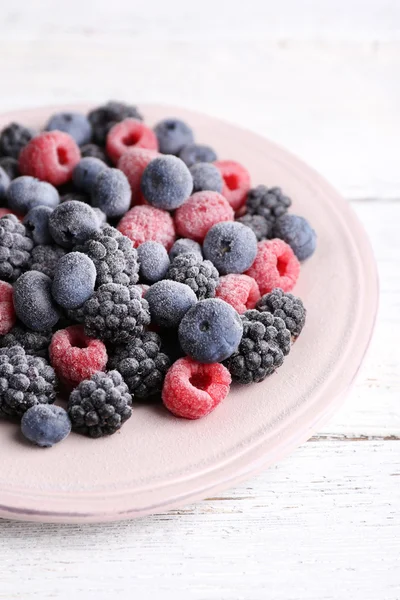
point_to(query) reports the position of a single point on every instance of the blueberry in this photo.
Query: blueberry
(231, 246)
(153, 261)
(169, 301)
(210, 331)
(72, 222)
(33, 301)
(206, 177)
(183, 246)
(195, 153)
(74, 280)
(298, 233)
(173, 135)
(166, 182)
(4, 184)
(45, 424)
(37, 224)
(77, 125)
(26, 192)
(111, 192)
(102, 217)
(10, 166)
(86, 171)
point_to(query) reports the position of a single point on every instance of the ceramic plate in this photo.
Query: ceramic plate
(157, 462)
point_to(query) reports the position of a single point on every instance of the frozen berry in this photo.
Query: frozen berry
(200, 213)
(44, 258)
(298, 233)
(74, 280)
(153, 261)
(192, 390)
(13, 138)
(51, 156)
(133, 163)
(258, 224)
(106, 116)
(75, 356)
(231, 247)
(86, 171)
(33, 301)
(75, 124)
(4, 184)
(145, 223)
(93, 151)
(200, 275)
(111, 192)
(275, 266)
(166, 182)
(270, 203)
(173, 135)
(206, 177)
(10, 166)
(240, 291)
(15, 247)
(7, 311)
(210, 331)
(26, 192)
(72, 223)
(37, 224)
(287, 307)
(169, 301)
(236, 182)
(127, 134)
(45, 425)
(196, 153)
(183, 246)
(33, 342)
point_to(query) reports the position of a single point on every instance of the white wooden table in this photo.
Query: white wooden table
(321, 78)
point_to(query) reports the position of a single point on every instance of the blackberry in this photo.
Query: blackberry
(142, 364)
(100, 405)
(287, 307)
(260, 226)
(15, 248)
(115, 313)
(45, 258)
(200, 275)
(10, 166)
(262, 349)
(104, 117)
(93, 151)
(114, 257)
(25, 381)
(13, 138)
(33, 342)
(270, 203)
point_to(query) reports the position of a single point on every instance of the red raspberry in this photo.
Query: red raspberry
(192, 390)
(275, 266)
(146, 223)
(76, 357)
(50, 156)
(7, 311)
(128, 134)
(143, 288)
(240, 291)
(203, 210)
(133, 163)
(236, 182)
(7, 211)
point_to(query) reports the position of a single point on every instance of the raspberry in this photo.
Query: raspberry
(7, 312)
(133, 163)
(145, 223)
(240, 291)
(275, 266)
(76, 357)
(203, 210)
(192, 390)
(127, 134)
(236, 182)
(51, 156)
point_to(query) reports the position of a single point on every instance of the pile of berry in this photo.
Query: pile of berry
(134, 264)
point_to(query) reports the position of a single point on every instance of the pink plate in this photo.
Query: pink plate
(157, 462)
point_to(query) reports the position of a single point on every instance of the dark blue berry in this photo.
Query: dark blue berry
(298, 233)
(104, 117)
(153, 261)
(37, 224)
(45, 425)
(75, 124)
(33, 301)
(86, 171)
(26, 192)
(173, 135)
(195, 153)
(111, 192)
(206, 177)
(210, 331)
(74, 280)
(10, 166)
(4, 184)
(72, 223)
(231, 247)
(183, 246)
(166, 182)
(13, 138)
(169, 301)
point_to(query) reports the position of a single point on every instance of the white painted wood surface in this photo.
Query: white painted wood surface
(322, 78)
